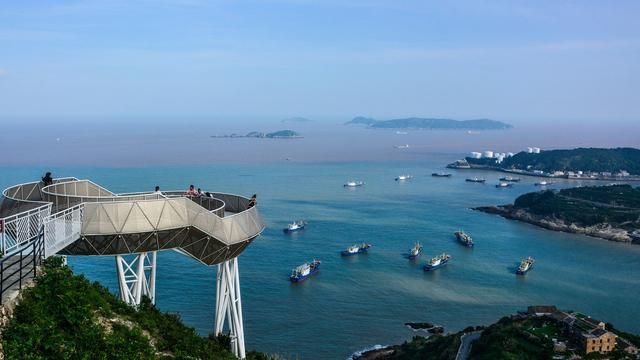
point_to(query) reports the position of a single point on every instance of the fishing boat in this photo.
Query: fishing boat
(356, 249)
(304, 271)
(502, 185)
(437, 262)
(441, 174)
(404, 177)
(353, 183)
(543, 183)
(509, 179)
(403, 146)
(294, 226)
(415, 250)
(475, 180)
(464, 238)
(525, 266)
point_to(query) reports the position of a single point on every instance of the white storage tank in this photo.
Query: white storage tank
(488, 154)
(476, 155)
(529, 150)
(536, 150)
(510, 154)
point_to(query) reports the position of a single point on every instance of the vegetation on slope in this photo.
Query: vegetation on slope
(618, 205)
(66, 317)
(581, 159)
(509, 339)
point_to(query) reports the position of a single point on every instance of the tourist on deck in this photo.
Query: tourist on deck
(192, 191)
(253, 202)
(157, 190)
(47, 179)
(200, 194)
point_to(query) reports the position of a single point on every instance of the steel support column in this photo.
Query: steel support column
(229, 305)
(137, 277)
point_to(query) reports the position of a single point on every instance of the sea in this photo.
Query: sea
(361, 301)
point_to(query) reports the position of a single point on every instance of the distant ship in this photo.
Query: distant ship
(356, 249)
(543, 183)
(404, 177)
(415, 251)
(401, 133)
(525, 266)
(464, 238)
(475, 180)
(304, 271)
(403, 146)
(437, 262)
(503, 185)
(441, 174)
(295, 226)
(509, 179)
(354, 183)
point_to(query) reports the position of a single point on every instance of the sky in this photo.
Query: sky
(507, 60)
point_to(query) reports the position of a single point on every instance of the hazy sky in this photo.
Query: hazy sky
(463, 59)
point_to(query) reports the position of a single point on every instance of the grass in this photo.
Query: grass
(67, 317)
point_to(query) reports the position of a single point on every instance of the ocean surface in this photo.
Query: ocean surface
(360, 301)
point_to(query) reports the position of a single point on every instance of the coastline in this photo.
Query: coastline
(603, 231)
(533, 174)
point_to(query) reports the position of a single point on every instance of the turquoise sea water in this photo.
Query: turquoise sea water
(356, 302)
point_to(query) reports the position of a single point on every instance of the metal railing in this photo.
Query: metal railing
(62, 228)
(21, 265)
(22, 228)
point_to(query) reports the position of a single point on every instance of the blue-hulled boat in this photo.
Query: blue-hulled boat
(356, 249)
(294, 226)
(304, 271)
(437, 262)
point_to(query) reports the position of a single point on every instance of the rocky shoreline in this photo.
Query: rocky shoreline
(603, 231)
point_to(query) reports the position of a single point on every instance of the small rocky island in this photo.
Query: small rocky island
(281, 134)
(609, 212)
(430, 124)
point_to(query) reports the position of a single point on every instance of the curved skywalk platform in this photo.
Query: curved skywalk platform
(87, 219)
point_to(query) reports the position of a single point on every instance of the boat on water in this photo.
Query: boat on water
(509, 179)
(525, 266)
(437, 262)
(464, 238)
(295, 226)
(503, 185)
(356, 249)
(304, 271)
(403, 146)
(404, 177)
(415, 250)
(441, 174)
(353, 183)
(543, 183)
(476, 180)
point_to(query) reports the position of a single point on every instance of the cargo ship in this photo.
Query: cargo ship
(437, 262)
(509, 179)
(525, 266)
(475, 180)
(304, 271)
(464, 238)
(356, 249)
(415, 250)
(441, 174)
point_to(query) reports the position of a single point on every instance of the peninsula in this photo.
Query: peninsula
(580, 163)
(540, 332)
(281, 134)
(430, 124)
(607, 212)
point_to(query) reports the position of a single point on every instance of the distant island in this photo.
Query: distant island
(540, 332)
(430, 123)
(580, 163)
(609, 212)
(282, 134)
(296, 119)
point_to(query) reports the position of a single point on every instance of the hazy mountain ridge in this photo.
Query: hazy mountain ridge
(431, 123)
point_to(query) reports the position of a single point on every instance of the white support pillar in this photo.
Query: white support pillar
(229, 305)
(137, 277)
